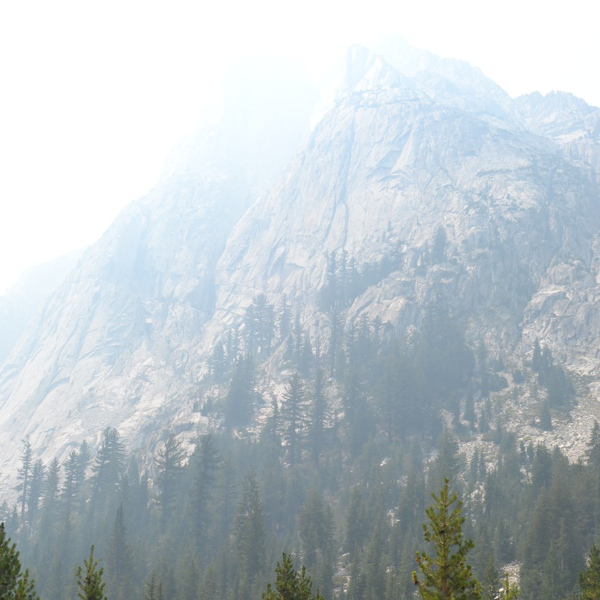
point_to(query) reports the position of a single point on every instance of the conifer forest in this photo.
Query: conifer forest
(327, 497)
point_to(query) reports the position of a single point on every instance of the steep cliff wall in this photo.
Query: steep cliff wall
(487, 203)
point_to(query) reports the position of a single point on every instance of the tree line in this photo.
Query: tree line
(337, 476)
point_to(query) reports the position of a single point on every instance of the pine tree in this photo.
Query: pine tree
(490, 584)
(329, 293)
(154, 588)
(446, 576)
(446, 465)
(50, 505)
(209, 587)
(240, 397)
(69, 491)
(260, 326)
(356, 583)
(89, 580)
(317, 418)
(589, 578)
(316, 529)
(438, 246)
(374, 565)
(14, 585)
(36, 486)
(119, 560)
(541, 470)
(357, 523)
(593, 451)
(224, 498)
(24, 474)
(84, 459)
(218, 365)
(293, 415)
(169, 462)
(187, 578)
(508, 591)
(108, 469)
(545, 417)
(250, 529)
(205, 463)
(83, 462)
(290, 584)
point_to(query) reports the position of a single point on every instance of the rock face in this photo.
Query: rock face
(111, 347)
(390, 168)
(487, 202)
(24, 299)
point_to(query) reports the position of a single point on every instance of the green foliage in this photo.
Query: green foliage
(364, 438)
(291, 584)
(205, 463)
(551, 553)
(36, 485)
(89, 579)
(589, 578)
(545, 417)
(154, 588)
(508, 591)
(250, 529)
(107, 472)
(169, 462)
(447, 575)
(491, 589)
(442, 355)
(240, 397)
(490, 582)
(259, 326)
(14, 585)
(446, 465)
(317, 418)
(593, 451)
(119, 561)
(357, 522)
(294, 417)
(316, 529)
(553, 377)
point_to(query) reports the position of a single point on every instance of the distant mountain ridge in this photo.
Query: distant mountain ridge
(403, 156)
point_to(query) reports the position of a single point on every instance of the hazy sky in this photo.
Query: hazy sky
(93, 95)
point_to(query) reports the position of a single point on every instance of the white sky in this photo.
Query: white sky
(93, 95)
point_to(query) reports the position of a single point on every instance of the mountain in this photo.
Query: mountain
(424, 177)
(25, 297)
(388, 169)
(112, 345)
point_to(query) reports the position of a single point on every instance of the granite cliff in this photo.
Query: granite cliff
(421, 164)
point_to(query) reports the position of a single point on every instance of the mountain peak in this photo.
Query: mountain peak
(416, 149)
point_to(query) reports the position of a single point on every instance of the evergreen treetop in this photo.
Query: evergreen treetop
(291, 584)
(89, 580)
(589, 579)
(14, 585)
(447, 575)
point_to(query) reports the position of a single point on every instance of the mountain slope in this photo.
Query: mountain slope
(23, 300)
(386, 171)
(432, 179)
(112, 345)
